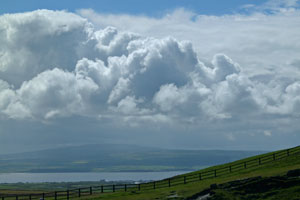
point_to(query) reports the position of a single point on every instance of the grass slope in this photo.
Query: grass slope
(268, 188)
(266, 167)
(278, 167)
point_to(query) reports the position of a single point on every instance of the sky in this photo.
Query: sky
(171, 74)
(153, 8)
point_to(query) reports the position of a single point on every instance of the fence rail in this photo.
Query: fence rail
(169, 182)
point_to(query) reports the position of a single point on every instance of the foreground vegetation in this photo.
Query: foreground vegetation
(53, 186)
(185, 186)
(275, 187)
(184, 191)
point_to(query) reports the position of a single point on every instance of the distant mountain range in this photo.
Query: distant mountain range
(116, 158)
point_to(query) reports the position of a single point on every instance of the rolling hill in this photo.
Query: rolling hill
(116, 157)
(266, 178)
(274, 175)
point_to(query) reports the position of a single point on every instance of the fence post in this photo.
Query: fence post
(55, 195)
(154, 186)
(17, 197)
(114, 188)
(288, 152)
(43, 195)
(245, 165)
(139, 187)
(200, 177)
(125, 187)
(30, 197)
(273, 156)
(184, 179)
(169, 182)
(230, 170)
(79, 192)
(101, 188)
(259, 161)
(91, 190)
(68, 194)
(215, 173)
(2, 198)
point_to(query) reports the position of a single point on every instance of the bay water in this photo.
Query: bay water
(85, 176)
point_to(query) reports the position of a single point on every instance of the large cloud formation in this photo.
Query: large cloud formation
(55, 64)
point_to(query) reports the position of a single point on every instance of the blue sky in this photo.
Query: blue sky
(136, 7)
(179, 73)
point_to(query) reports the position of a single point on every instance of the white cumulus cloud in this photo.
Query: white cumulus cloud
(56, 64)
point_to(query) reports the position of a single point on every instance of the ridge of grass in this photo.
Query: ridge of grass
(275, 168)
(285, 160)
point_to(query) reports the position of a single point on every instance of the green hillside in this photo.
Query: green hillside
(218, 178)
(268, 168)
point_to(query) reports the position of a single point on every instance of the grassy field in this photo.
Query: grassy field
(268, 166)
(267, 188)
(54, 186)
(278, 167)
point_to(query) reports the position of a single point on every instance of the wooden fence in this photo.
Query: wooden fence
(177, 180)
